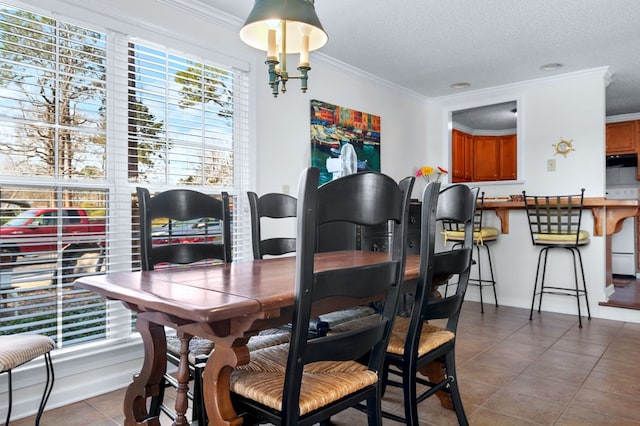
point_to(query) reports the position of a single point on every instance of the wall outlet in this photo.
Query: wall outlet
(285, 189)
(551, 165)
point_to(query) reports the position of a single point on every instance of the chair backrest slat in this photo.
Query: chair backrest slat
(558, 215)
(273, 206)
(205, 235)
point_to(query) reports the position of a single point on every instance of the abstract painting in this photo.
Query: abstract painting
(343, 140)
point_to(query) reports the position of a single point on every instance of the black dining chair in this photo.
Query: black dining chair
(312, 378)
(274, 206)
(195, 228)
(415, 343)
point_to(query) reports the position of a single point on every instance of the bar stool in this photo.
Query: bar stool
(483, 237)
(18, 349)
(554, 223)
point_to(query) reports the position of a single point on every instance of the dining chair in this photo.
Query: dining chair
(277, 206)
(416, 341)
(483, 237)
(195, 228)
(312, 378)
(18, 349)
(555, 225)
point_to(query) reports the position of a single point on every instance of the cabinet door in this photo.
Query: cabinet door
(457, 156)
(621, 137)
(461, 156)
(486, 151)
(508, 158)
(468, 157)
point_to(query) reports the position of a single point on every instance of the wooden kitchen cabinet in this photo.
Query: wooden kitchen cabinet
(461, 156)
(483, 158)
(621, 137)
(508, 158)
(486, 158)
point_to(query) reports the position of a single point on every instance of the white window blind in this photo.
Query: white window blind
(87, 116)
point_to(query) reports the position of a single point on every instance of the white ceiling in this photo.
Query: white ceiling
(427, 45)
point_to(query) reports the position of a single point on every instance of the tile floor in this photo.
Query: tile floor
(512, 371)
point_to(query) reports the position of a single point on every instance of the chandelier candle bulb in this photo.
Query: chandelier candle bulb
(304, 50)
(271, 52)
(283, 45)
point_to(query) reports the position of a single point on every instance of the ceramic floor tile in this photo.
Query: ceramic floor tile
(629, 368)
(536, 410)
(569, 359)
(542, 387)
(609, 404)
(485, 417)
(579, 347)
(520, 350)
(489, 374)
(557, 372)
(529, 338)
(508, 361)
(615, 383)
(475, 393)
(578, 416)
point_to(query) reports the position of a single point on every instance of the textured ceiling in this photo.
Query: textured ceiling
(426, 45)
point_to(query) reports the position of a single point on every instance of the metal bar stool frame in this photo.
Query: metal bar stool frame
(557, 216)
(481, 240)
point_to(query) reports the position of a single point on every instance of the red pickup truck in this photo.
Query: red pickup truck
(36, 231)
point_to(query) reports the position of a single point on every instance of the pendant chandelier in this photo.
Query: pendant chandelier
(282, 27)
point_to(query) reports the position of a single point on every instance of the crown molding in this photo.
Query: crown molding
(623, 117)
(605, 72)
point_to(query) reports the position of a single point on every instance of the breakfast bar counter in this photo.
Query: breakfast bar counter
(607, 219)
(607, 214)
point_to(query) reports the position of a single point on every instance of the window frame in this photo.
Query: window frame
(116, 183)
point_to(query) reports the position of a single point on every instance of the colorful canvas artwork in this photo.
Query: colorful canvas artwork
(343, 140)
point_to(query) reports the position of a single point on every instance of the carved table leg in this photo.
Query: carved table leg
(182, 401)
(435, 372)
(146, 383)
(216, 382)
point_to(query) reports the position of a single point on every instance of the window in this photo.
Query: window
(85, 117)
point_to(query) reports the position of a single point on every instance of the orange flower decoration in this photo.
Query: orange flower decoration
(427, 171)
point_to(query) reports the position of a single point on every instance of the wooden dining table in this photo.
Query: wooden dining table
(226, 303)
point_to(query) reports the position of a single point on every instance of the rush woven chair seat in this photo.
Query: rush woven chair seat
(554, 223)
(312, 378)
(483, 237)
(19, 349)
(415, 344)
(200, 350)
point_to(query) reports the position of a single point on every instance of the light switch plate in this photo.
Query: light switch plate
(551, 165)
